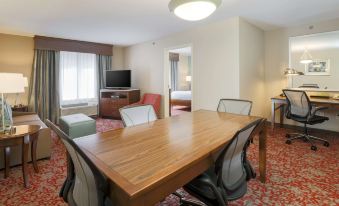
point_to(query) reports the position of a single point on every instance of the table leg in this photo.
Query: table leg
(33, 152)
(282, 112)
(262, 154)
(273, 115)
(25, 147)
(7, 154)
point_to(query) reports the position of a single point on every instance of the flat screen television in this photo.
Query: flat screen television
(118, 79)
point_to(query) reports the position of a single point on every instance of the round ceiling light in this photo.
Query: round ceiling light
(193, 10)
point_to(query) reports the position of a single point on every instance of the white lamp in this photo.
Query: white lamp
(289, 72)
(306, 58)
(10, 83)
(188, 78)
(17, 94)
(193, 10)
(25, 82)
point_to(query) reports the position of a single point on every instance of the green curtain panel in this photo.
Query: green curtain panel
(174, 75)
(104, 63)
(44, 92)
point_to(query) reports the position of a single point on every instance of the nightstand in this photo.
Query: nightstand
(20, 108)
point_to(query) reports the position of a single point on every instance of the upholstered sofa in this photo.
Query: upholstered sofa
(44, 139)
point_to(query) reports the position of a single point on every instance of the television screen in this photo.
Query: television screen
(118, 79)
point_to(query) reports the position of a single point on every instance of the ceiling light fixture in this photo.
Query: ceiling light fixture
(193, 10)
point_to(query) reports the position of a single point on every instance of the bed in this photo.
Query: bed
(181, 98)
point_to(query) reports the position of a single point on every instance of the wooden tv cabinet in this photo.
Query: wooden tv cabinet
(111, 100)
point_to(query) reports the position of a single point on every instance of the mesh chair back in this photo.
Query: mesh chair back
(230, 163)
(134, 115)
(298, 103)
(235, 106)
(90, 187)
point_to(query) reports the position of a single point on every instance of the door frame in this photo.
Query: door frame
(167, 76)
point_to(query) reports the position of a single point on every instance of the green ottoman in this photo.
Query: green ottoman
(77, 125)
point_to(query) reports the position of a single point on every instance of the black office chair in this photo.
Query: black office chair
(300, 109)
(89, 187)
(227, 179)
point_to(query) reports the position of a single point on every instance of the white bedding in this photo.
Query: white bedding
(181, 95)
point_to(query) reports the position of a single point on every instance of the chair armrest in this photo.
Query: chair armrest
(206, 180)
(15, 114)
(316, 109)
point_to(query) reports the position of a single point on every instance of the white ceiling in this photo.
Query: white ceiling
(126, 22)
(186, 51)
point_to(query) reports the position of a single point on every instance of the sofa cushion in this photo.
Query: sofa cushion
(25, 118)
(34, 122)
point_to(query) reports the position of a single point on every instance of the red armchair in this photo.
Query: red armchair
(152, 99)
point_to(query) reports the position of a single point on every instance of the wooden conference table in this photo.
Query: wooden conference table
(146, 163)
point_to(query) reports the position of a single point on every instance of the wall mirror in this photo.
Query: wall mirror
(317, 56)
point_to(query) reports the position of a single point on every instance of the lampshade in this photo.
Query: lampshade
(25, 82)
(193, 10)
(188, 78)
(306, 58)
(11, 83)
(290, 72)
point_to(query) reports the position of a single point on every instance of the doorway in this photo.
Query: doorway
(179, 80)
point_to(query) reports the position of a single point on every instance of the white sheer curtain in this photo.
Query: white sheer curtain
(78, 80)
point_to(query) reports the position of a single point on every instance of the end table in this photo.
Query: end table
(21, 135)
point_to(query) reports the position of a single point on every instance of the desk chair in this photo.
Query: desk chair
(235, 106)
(137, 114)
(227, 179)
(242, 107)
(300, 109)
(89, 187)
(152, 99)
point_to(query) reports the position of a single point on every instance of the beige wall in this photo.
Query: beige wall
(118, 58)
(16, 56)
(183, 71)
(252, 71)
(277, 58)
(215, 62)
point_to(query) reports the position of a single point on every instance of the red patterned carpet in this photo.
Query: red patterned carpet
(296, 175)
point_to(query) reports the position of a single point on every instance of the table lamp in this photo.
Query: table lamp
(289, 72)
(9, 83)
(17, 94)
(189, 79)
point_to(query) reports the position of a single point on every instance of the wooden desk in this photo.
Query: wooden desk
(21, 135)
(148, 162)
(279, 102)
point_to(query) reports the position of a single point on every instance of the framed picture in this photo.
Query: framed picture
(318, 67)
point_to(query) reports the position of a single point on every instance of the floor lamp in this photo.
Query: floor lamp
(9, 83)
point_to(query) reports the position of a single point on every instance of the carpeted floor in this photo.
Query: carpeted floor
(295, 175)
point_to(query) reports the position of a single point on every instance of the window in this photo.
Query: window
(78, 78)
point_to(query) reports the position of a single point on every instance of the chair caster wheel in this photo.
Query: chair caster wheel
(288, 142)
(314, 148)
(326, 144)
(287, 135)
